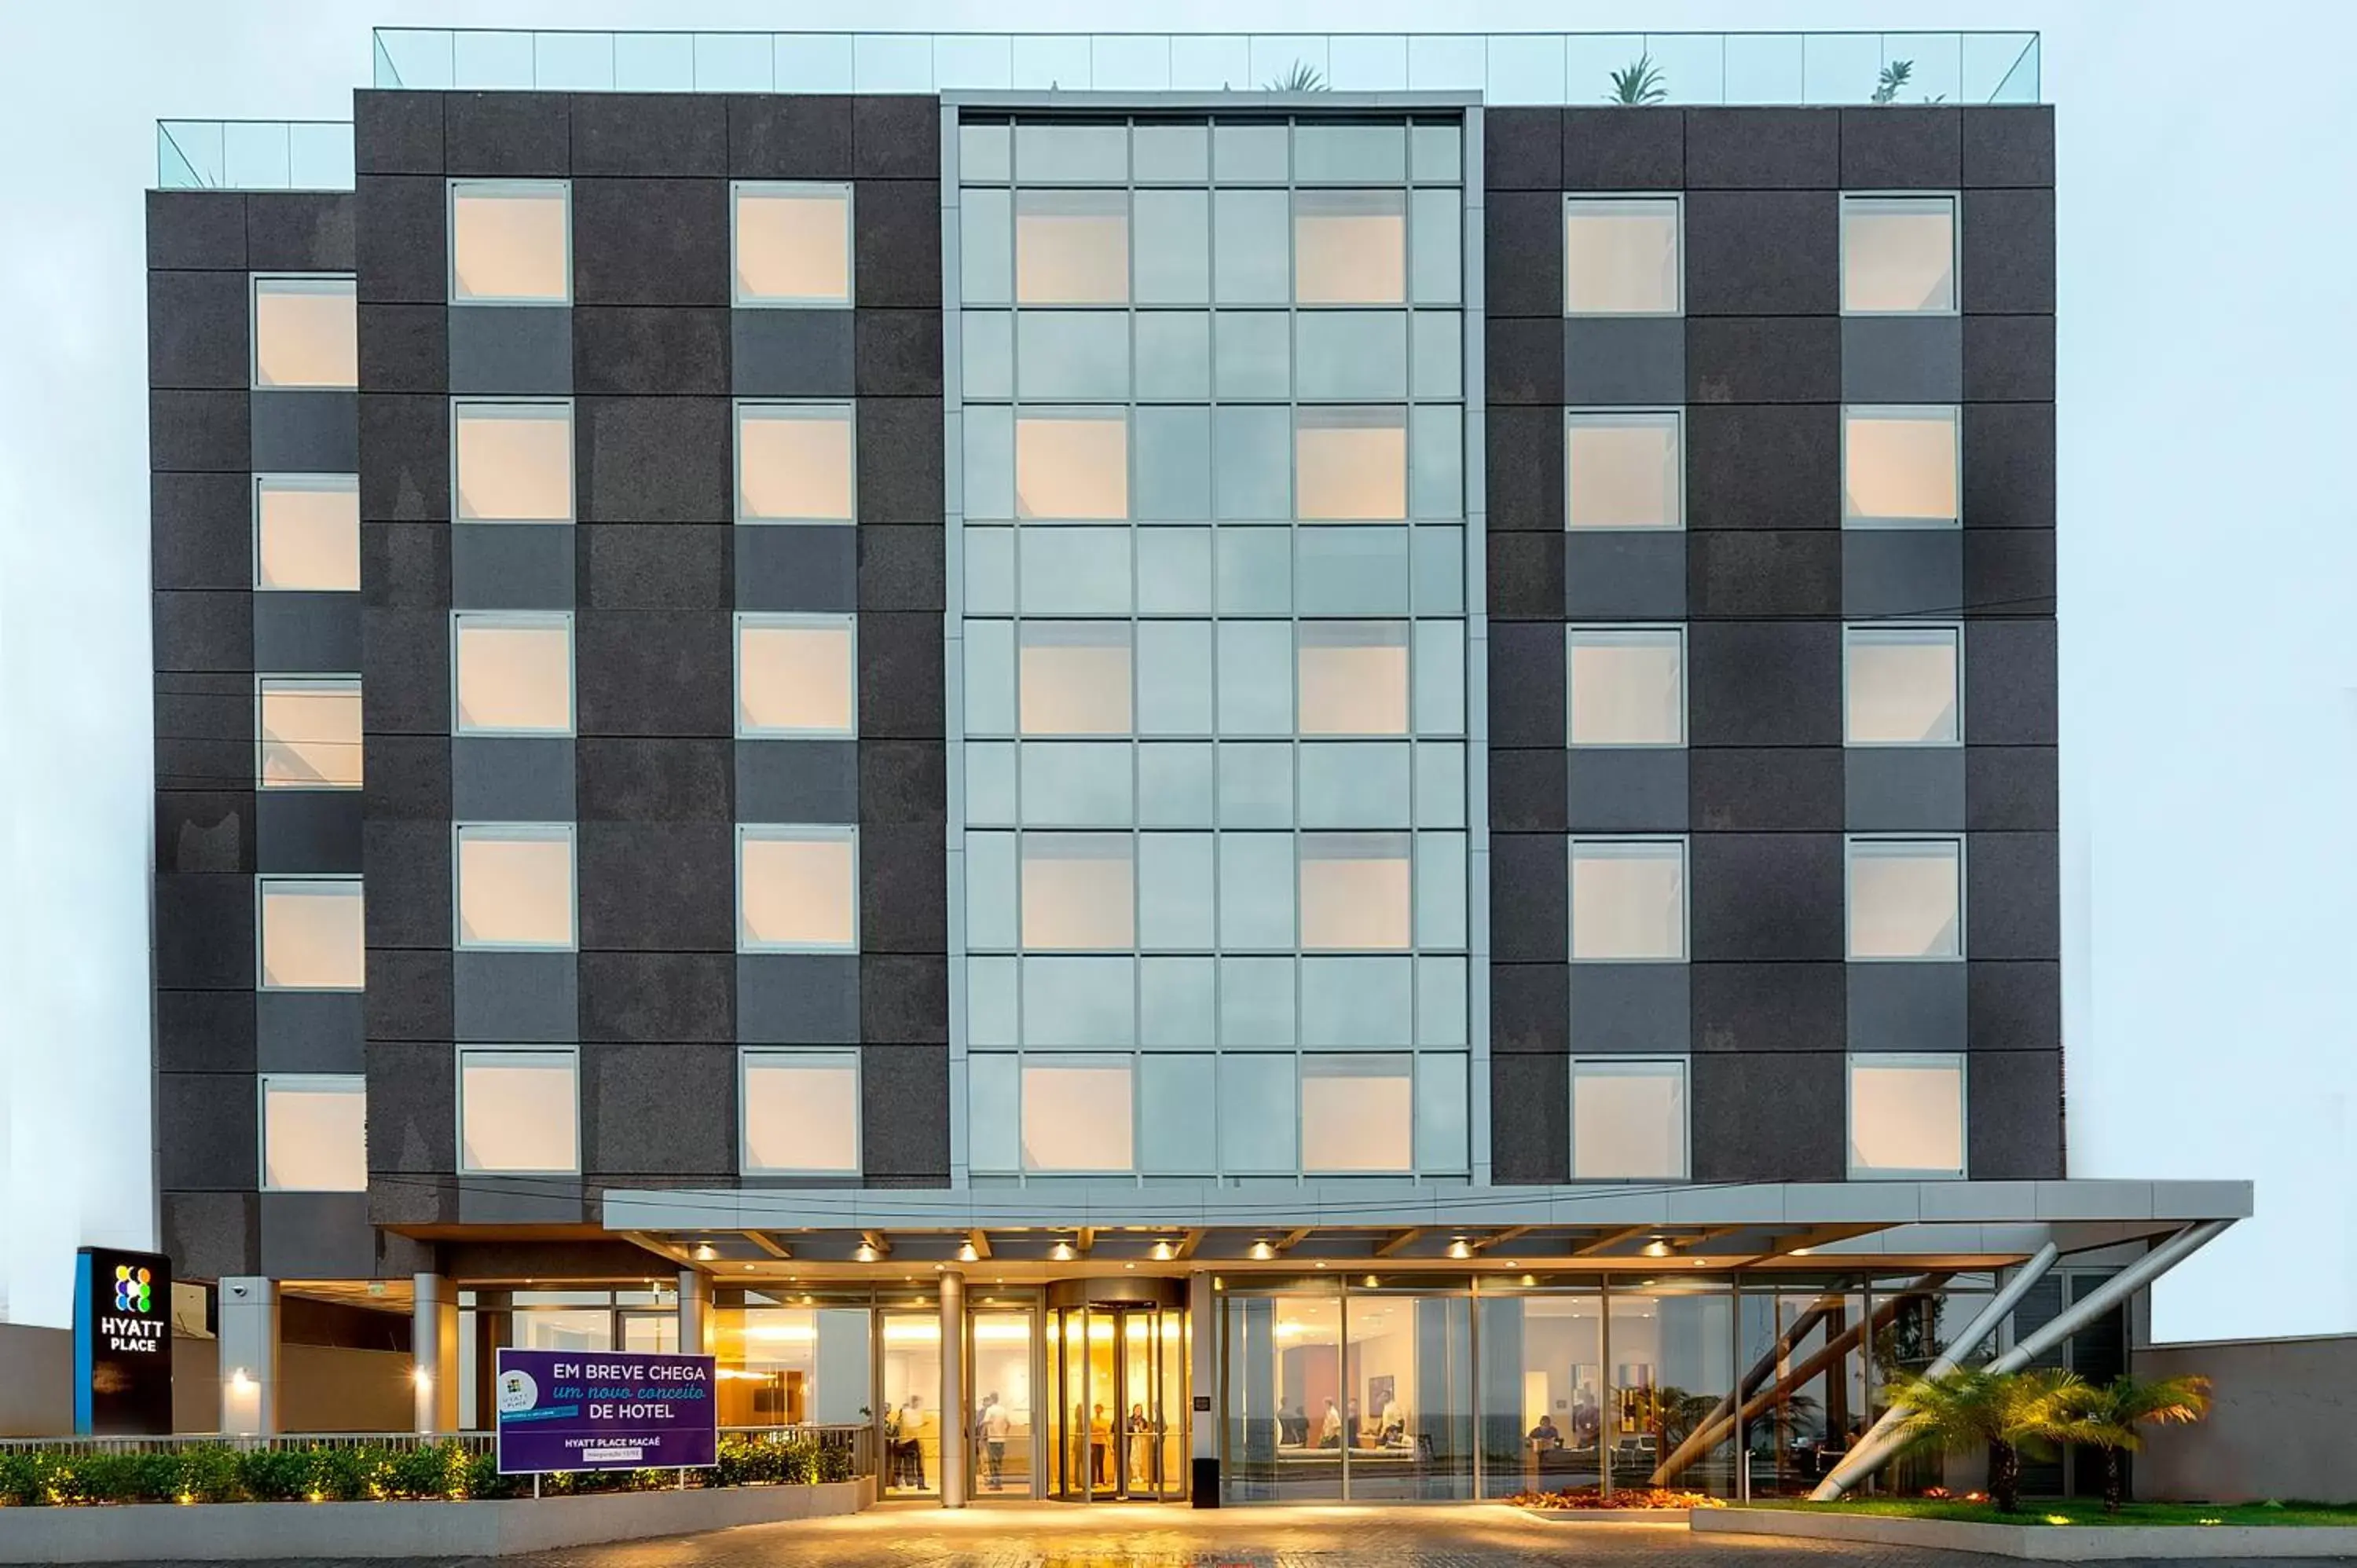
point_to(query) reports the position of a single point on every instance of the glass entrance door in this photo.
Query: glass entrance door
(1118, 1410)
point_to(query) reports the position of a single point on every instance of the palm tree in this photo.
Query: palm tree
(1303, 78)
(1639, 81)
(2009, 1412)
(1894, 77)
(2106, 1416)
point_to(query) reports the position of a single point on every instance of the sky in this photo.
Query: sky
(2208, 564)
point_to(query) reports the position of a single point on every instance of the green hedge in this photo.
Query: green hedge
(219, 1473)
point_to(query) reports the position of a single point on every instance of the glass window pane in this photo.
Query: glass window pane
(1253, 355)
(993, 1105)
(1440, 1001)
(1438, 341)
(1435, 152)
(1174, 354)
(1174, 464)
(1256, 785)
(1629, 900)
(1074, 354)
(1251, 259)
(1176, 1004)
(1170, 155)
(1442, 1114)
(1174, 571)
(1051, 150)
(515, 887)
(314, 1133)
(1899, 467)
(985, 150)
(1072, 464)
(1436, 460)
(312, 935)
(1177, 1137)
(1357, 1113)
(1353, 571)
(1252, 471)
(1351, 353)
(992, 986)
(1175, 894)
(1256, 1004)
(1071, 247)
(793, 462)
(986, 246)
(1354, 891)
(510, 242)
(310, 734)
(989, 781)
(1907, 1115)
(1351, 463)
(1256, 1115)
(1436, 233)
(1353, 676)
(1257, 872)
(1439, 670)
(1250, 701)
(1075, 571)
(1077, 1116)
(986, 363)
(306, 531)
(1330, 151)
(513, 673)
(798, 889)
(1440, 890)
(1900, 685)
(1899, 253)
(1355, 785)
(989, 677)
(988, 473)
(1076, 784)
(1174, 247)
(306, 332)
(1360, 1002)
(1251, 152)
(1623, 470)
(1350, 247)
(513, 461)
(1078, 891)
(1621, 255)
(517, 1110)
(793, 245)
(1628, 686)
(801, 1113)
(1627, 1121)
(1174, 678)
(1439, 784)
(1084, 1002)
(1174, 785)
(796, 676)
(1906, 899)
(992, 878)
(1439, 570)
(1075, 679)
(1255, 570)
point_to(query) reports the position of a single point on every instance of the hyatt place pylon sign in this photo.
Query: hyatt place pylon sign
(123, 1343)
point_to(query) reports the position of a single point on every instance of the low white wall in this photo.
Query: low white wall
(220, 1532)
(2037, 1542)
(2281, 1412)
(35, 1380)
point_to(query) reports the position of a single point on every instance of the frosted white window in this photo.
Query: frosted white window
(313, 937)
(1621, 256)
(1350, 247)
(1354, 891)
(1357, 1113)
(1073, 678)
(1078, 1115)
(801, 1113)
(512, 462)
(1350, 463)
(1078, 891)
(1628, 686)
(512, 674)
(1072, 466)
(1898, 467)
(798, 888)
(1906, 899)
(510, 242)
(1624, 470)
(1629, 900)
(1071, 247)
(793, 462)
(515, 886)
(1907, 1115)
(1627, 1121)
(518, 1110)
(314, 1133)
(310, 733)
(1900, 685)
(1899, 254)
(796, 675)
(306, 332)
(1353, 676)
(306, 531)
(792, 244)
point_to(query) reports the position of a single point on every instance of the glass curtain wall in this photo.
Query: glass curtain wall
(1005, 1418)
(912, 1346)
(1668, 1421)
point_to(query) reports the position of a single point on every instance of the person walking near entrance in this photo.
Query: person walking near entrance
(1100, 1447)
(992, 1429)
(911, 1425)
(1141, 1449)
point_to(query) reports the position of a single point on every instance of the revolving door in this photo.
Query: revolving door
(1117, 1384)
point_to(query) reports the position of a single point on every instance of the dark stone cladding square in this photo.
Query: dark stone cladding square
(401, 249)
(670, 779)
(407, 868)
(203, 630)
(1522, 149)
(650, 133)
(1773, 359)
(197, 332)
(2008, 465)
(900, 460)
(405, 565)
(654, 460)
(1526, 576)
(1524, 463)
(201, 531)
(1524, 362)
(1523, 253)
(405, 672)
(204, 933)
(1763, 149)
(1530, 1007)
(1764, 683)
(901, 567)
(2008, 571)
(650, 241)
(659, 887)
(1530, 875)
(1526, 683)
(903, 781)
(1903, 147)
(508, 134)
(1766, 789)
(1527, 792)
(204, 1031)
(2016, 1127)
(898, 353)
(904, 998)
(904, 1092)
(1623, 148)
(900, 676)
(654, 566)
(208, 831)
(1529, 1119)
(2011, 789)
(2010, 145)
(654, 673)
(205, 1139)
(196, 229)
(1762, 252)
(1767, 895)
(299, 230)
(896, 136)
(1769, 1006)
(405, 441)
(903, 890)
(407, 778)
(2008, 252)
(1768, 1117)
(2013, 1006)
(659, 1107)
(1763, 466)
(405, 348)
(2013, 896)
(1757, 573)
(895, 242)
(410, 995)
(2011, 682)
(199, 432)
(2008, 358)
(639, 350)
(791, 136)
(396, 131)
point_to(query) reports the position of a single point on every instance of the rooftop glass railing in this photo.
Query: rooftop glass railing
(1503, 67)
(253, 155)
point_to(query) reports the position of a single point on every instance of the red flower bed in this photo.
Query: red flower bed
(1590, 1497)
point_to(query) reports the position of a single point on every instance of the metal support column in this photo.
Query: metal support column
(956, 1421)
(249, 1356)
(433, 1354)
(694, 1310)
(1203, 1378)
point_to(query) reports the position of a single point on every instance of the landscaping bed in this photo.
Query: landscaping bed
(2053, 1533)
(2082, 1511)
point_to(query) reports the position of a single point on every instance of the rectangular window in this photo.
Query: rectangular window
(1627, 1120)
(515, 885)
(1354, 890)
(1624, 469)
(511, 672)
(314, 1133)
(1906, 1116)
(307, 532)
(313, 937)
(1627, 685)
(306, 332)
(1078, 1115)
(1350, 247)
(511, 462)
(1900, 685)
(1078, 891)
(310, 733)
(1071, 247)
(1072, 463)
(1898, 467)
(792, 243)
(1621, 256)
(511, 242)
(1906, 899)
(802, 1113)
(795, 462)
(519, 1110)
(1073, 678)
(1358, 1113)
(797, 676)
(797, 889)
(1629, 900)
(1350, 463)
(1353, 676)
(1898, 256)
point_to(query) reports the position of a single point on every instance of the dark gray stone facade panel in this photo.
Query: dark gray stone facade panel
(1623, 1009)
(2008, 252)
(2013, 899)
(1762, 252)
(655, 567)
(1769, 1116)
(1764, 897)
(900, 676)
(201, 531)
(396, 131)
(198, 331)
(795, 567)
(406, 667)
(790, 136)
(655, 998)
(792, 353)
(199, 432)
(2010, 572)
(406, 867)
(631, 350)
(410, 996)
(1763, 466)
(1612, 575)
(898, 353)
(404, 448)
(650, 241)
(1761, 573)
(2010, 358)
(2014, 1117)
(654, 673)
(1633, 789)
(903, 890)
(896, 136)
(657, 887)
(1523, 236)
(299, 230)
(2011, 789)
(305, 633)
(1904, 789)
(1525, 576)
(317, 1236)
(1902, 359)
(2010, 145)
(895, 242)
(2010, 683)
(1763, 149)
(1763, 683)
(1529, 1119)
(900, 460)
(1769, 1009)
(1766, 789)
(1525, 469)
(904, 1112)
(520, 134)
(521, 1200)
(903, 781)
(630, 779)
(798, 780)
(405, 348)
(2008, 465)
(2014, 1006)
(904, 998)
(1906, 1007)
(1903, 573)
(1522, 149)
(517, 998)
(1523, 361)
(205, 1031)
(406, 778)
(1530, 1008)
(654, 460)
(650, 133)
(511, 350)
(510, 778)
(1894, 146)
(206, 1131)
(1622, 361)
(204, 933)
(902, 566)
(798, 999)
(512, 565)
(202, 632)
(307, 831)
(412, 1113)
(309, 1031)
(1530, 898)
(661, 1109)
(305, 432)
(197, 229)
(1527, 792)
(1764, 358)
(1526, 683)
(1623, 148)
(402, 251)
(210, 1235)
